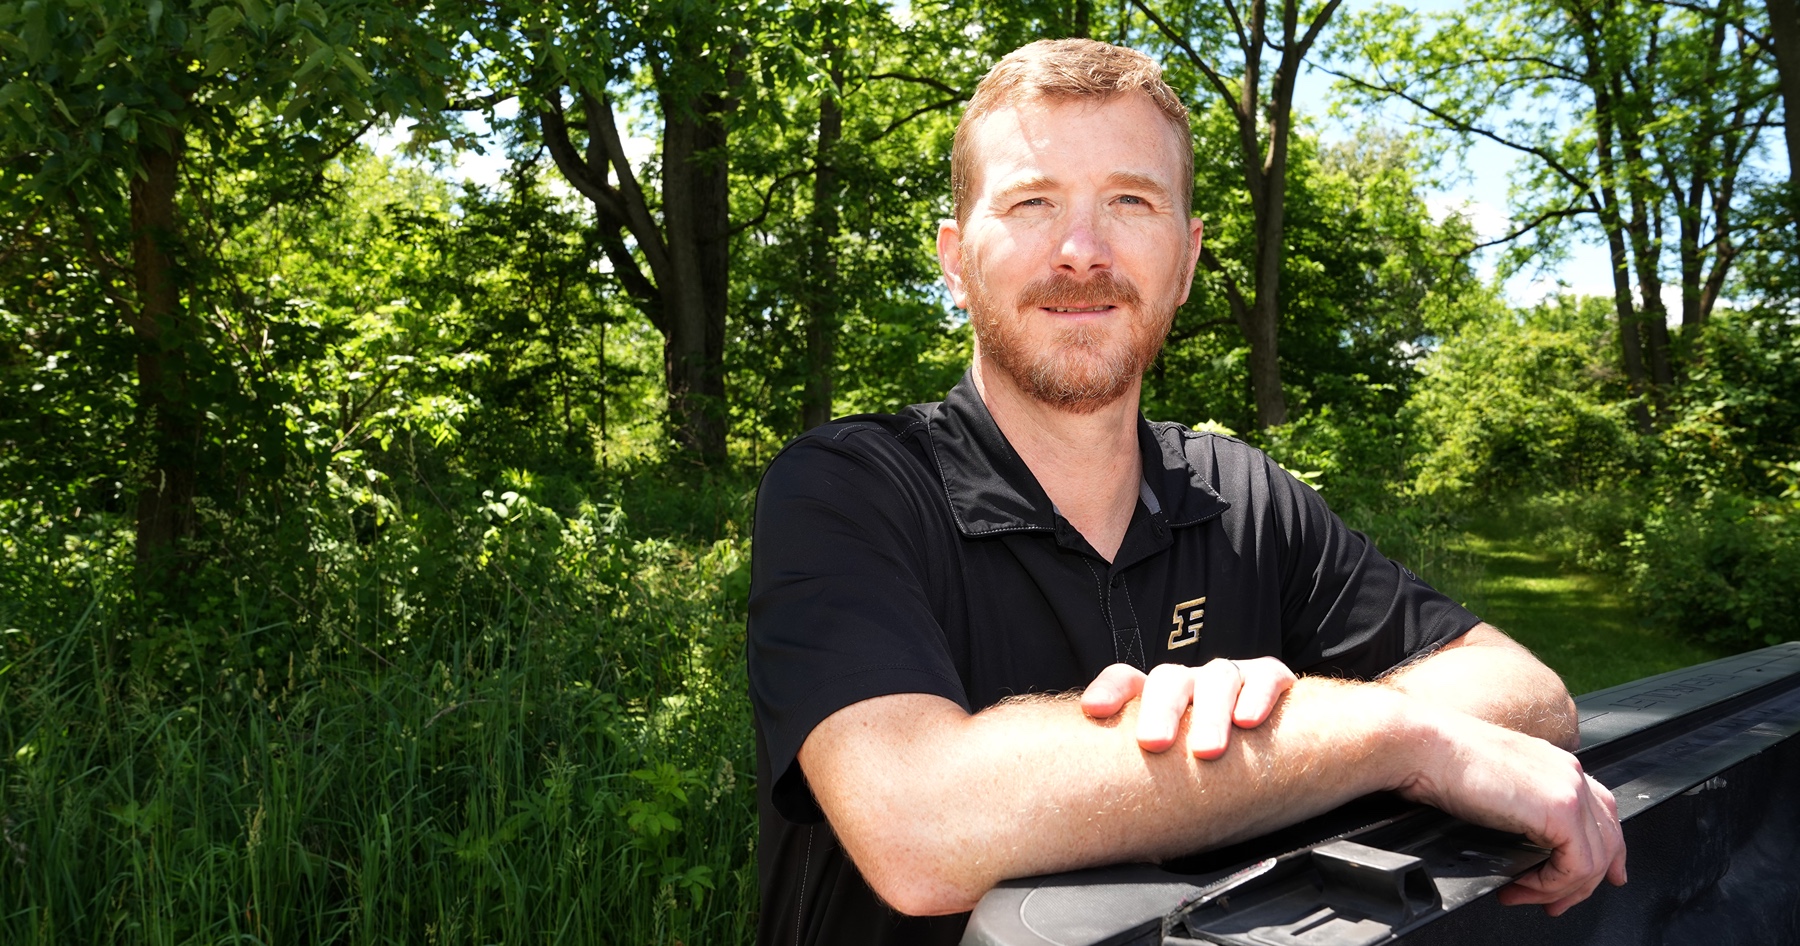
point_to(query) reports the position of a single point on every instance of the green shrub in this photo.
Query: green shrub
(1723, 570)
(1718, 554)
(1358, 462)
(489, 720)
(1517, 407)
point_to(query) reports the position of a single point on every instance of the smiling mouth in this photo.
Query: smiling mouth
(1073, 310)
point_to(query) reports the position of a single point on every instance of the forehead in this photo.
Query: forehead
(1071, 140)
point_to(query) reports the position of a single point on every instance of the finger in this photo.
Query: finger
(1615, 836)
(1604, 795)
(1216, 689)
(1167, 692)
(1584, 849)
(1556, 890)
(1612, 835)
(1266, 680)
(1582, 891)
(1116, 686)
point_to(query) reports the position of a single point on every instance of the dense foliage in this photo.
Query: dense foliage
(375, 547)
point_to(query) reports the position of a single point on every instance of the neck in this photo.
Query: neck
(1087, 463)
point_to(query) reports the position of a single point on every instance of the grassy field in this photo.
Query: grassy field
(1576, 620)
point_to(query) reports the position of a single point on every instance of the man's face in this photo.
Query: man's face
(1075, 252)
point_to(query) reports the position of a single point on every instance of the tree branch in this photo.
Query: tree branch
(1465, 127)
(1572, 210)
(1240, 309)
(479, 103)
(922, 80)
(1206, 69)
(1237, 25)
(769, 198)
(631, 278)
(915, 114)
(1317, 25)
(638, 222)
(578, 172)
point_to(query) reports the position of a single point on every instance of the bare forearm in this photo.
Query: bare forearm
(1035, 787)
(1487, 675)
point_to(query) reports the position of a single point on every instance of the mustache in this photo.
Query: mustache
(1064, 291)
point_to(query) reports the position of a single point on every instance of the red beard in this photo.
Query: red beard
(1083, 367)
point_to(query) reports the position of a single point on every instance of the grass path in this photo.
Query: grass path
(1578, 622)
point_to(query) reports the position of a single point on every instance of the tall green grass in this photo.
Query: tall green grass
(544, 739)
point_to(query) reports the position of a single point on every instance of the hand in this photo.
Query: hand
(1499, 778)
(1222, 693)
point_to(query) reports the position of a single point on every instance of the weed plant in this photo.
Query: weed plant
(467, 722)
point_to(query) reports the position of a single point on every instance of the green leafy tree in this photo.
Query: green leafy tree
(119, 117)
(848, 174)
(663, 226)
(1371, 280)
(1250, 71)
(1634, 120)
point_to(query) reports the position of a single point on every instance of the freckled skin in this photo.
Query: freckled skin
(1080, 192)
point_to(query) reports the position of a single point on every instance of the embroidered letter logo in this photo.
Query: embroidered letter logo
(1190, 617)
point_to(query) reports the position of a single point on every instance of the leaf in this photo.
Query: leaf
(220, 57)
(62, 108)
(315, 62)
(156, 11)
(115, 116)
(221, 21)
(353, 64)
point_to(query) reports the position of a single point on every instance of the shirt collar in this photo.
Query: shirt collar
(992, 491)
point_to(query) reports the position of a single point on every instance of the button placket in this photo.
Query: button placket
(1128, 641)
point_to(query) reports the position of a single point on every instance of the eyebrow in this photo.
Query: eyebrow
(1129, 180)
(1036, 183)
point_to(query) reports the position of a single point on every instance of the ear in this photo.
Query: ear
(950, 259)
(1196, 229)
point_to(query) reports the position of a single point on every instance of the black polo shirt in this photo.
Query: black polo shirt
(916, 553)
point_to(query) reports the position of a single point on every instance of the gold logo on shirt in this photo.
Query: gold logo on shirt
(1189, 618)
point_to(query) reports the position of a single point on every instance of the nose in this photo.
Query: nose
(1083, 248)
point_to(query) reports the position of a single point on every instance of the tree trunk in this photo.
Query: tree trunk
(821, 296)
(696, 206)
(1081, 19)
(165, 504)
(1266, 179)
(1646, 253)
(1710, 152)
(1630, 335)
(1631, 348)
(1264, 328)
(1265, 314)
(1784, 26)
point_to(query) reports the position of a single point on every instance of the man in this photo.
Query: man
(926, 584)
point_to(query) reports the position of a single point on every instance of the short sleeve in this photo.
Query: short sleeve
(840, 611)
(1346, 609)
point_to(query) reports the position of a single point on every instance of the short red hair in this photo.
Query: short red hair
(1063, 70)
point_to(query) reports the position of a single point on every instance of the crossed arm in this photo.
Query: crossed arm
(935, 806)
